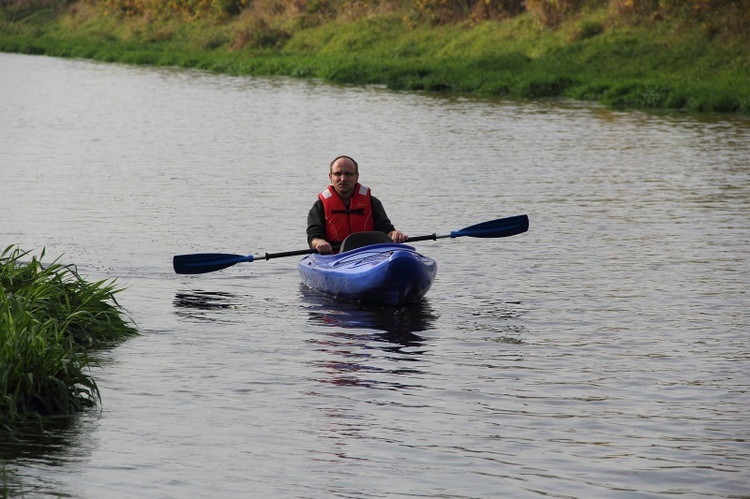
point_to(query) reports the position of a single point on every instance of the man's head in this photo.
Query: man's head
(344, 174)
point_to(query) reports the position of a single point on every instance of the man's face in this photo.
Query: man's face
(344, 177)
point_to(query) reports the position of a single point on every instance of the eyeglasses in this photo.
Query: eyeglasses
(343, 174)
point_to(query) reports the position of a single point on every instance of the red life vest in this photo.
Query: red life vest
(342, 221)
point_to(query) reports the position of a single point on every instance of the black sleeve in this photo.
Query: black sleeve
(316, 222)
(382, 222)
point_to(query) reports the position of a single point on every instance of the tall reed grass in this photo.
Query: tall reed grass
(51, 319)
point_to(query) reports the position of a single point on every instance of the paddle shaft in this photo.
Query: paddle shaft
(429, 237)
(268, 256)
(209, 262)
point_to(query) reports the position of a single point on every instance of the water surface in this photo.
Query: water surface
(602, 354)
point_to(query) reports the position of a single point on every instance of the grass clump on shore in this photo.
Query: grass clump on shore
(50, 320)
(656, 54)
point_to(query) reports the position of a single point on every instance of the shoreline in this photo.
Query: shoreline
(658, 66)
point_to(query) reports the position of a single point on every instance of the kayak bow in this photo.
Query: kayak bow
(385, 274)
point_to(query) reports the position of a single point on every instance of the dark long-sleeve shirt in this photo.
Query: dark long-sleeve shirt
(316, 220)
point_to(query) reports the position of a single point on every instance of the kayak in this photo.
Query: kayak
(383, 274)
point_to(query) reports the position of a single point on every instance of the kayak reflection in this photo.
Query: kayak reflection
(393, 324)
(368, 346)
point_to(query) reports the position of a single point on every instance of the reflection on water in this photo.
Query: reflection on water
(59, 442)
(351, 359)
(395, 325)
(48, 444)
(197, 304)
(368, 346)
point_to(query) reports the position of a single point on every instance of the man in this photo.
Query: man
(346, 207)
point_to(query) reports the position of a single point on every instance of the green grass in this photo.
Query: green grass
(51, 319)
(670, 64)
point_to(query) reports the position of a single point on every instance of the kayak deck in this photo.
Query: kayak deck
(385, 274)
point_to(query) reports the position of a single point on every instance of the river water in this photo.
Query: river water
(604, 353)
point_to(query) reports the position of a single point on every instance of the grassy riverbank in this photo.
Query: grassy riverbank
(654, 58)
(51, 320)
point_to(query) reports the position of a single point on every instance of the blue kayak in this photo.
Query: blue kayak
(383, 274)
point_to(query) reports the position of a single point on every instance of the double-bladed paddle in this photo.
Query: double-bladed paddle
(200, 263)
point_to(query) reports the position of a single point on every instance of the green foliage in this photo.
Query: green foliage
(50, 317)
(625, 53)
(586, 29)
(160, 9)
(451, 11)
(259, 34)
(552, 12)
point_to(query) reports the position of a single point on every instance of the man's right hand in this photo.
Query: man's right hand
(321, 246)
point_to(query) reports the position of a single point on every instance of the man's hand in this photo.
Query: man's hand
(398, 237)
(321, 246)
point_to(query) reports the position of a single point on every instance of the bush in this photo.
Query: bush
(258, 34)
(552, 12)
(586, 29)
(49, 318)
(446, 11)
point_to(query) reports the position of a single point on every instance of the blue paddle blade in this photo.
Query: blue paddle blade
(502, 227)
(200, 263)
